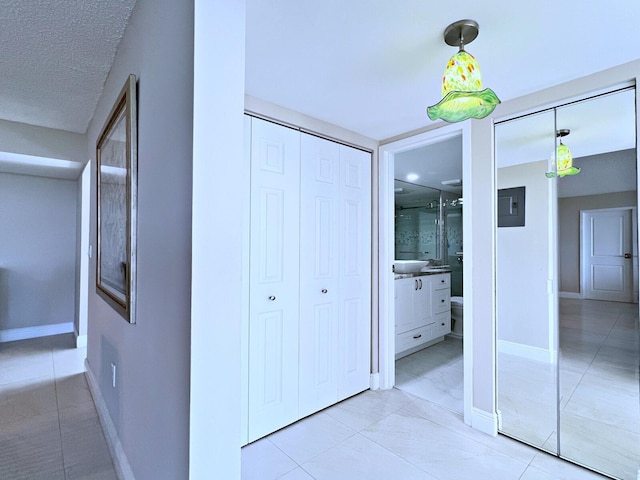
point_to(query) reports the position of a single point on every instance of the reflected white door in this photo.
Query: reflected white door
(607, 256)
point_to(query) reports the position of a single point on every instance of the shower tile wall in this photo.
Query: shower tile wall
(416, 235)
(454, 237)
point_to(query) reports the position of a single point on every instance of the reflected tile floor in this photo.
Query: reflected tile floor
(49, 428)
(599, 389)
(435, 374)
(392, 435)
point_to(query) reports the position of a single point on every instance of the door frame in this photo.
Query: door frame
(386, 251)
(634, 247)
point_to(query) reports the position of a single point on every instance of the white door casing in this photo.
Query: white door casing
(386, 258)
(607, 255)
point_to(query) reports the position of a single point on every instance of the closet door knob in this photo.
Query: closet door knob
(272, 297)
(324, 290)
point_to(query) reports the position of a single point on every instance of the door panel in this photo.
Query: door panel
(354, 365)
(320, 160)
(273, 298)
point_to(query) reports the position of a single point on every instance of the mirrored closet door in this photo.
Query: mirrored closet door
(567, 283)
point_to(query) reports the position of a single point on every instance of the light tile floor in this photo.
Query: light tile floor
(393, 435)
(49, 428)
(435, 374)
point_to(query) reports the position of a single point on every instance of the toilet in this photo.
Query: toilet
(456, 316)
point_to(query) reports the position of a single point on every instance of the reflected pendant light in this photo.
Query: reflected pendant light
(563, 162)
(462, 93)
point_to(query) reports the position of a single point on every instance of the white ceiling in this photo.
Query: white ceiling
(374, 67)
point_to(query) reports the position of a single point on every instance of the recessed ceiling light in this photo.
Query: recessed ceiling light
(412, 177)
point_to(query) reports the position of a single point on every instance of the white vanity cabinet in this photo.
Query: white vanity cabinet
(309, 270)
(422, 311)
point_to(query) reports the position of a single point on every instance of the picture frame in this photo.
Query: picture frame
(117, 181)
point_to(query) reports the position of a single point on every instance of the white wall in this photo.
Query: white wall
(522, 268)
(149, 406)
(37, 253)
(220, 181)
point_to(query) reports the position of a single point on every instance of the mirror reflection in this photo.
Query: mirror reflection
(526, 322)
(598, 271)
(567, 289)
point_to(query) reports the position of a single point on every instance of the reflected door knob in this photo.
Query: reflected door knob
(272, 297)
(324, 290)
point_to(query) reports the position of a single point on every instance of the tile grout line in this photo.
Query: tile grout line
(55, 389)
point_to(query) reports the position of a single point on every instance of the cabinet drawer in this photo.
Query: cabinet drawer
(413, 338)
(442, 325)
(441, 301)
(441, 281)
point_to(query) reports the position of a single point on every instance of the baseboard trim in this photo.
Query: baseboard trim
(374, 381)
(81, 340)
(120, 461)
(13, 334)
(484, 421)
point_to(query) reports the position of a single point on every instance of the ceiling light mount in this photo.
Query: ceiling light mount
(461, 33)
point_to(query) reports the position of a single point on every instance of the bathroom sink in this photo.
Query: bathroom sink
(409, 266)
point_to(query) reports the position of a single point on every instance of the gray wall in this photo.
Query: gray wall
(569, 231)
(150, 404)
(37, 251)
(522, 266)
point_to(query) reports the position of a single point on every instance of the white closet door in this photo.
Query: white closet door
(274, 291)
(319, 309)
(354, 364)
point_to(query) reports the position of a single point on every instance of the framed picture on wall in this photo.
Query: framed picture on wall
(117, 175)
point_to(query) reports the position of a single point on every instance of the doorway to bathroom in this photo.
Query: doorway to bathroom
(424, 201)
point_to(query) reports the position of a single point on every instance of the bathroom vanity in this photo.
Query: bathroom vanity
(422, 309)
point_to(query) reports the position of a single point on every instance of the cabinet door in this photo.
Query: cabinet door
(274, 291)
(319, 284)
(422, 301)
(404, 291)
(354, 365)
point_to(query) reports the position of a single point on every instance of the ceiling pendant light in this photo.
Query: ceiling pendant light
(462, 94)
(562, 160)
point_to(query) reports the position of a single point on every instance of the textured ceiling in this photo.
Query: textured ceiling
(55, 57)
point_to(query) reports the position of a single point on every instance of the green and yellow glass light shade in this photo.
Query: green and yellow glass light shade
(563, 162)
(462, 93)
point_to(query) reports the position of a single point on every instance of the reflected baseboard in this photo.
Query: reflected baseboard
(574, 295)
(526, 351)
